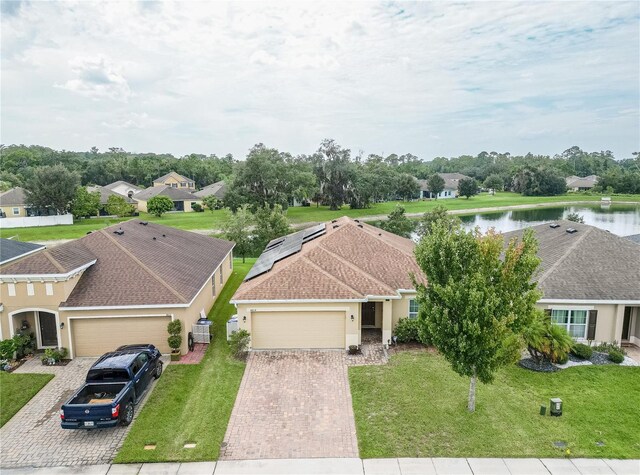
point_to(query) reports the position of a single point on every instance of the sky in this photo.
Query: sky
(427, 78)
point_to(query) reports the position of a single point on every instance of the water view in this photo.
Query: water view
(622, 220)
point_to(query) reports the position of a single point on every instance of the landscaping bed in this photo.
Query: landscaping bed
(16, 390)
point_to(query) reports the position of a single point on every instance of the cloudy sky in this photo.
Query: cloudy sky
(432, 79)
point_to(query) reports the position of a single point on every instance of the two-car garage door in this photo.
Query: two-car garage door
(284, 330)
(96, 336)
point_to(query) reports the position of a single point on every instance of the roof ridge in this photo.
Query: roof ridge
(313, 264)
(56, 264)
(371, 230)
(144, 266)
(569, 250)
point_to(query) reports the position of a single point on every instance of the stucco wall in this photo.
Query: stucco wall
(607, 323)
(8, 211)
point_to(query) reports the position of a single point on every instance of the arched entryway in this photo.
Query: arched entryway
(43, 323)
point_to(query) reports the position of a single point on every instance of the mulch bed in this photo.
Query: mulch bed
(543, 366)
(59, 363)
(16, 364)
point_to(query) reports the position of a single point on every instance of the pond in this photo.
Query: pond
(622, 220)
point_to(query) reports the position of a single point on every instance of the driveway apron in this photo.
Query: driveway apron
(292, 404)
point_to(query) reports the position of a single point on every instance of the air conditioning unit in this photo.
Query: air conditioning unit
(232, 326)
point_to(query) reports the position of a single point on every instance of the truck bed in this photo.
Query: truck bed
(102, 393)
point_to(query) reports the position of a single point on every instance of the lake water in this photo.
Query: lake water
(622, 220)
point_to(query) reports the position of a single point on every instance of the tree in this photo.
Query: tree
(118, 206)
(270, 224)
(398, 223)
(438, 214)
(212, 202)
(334, 173)
(158, 205)
(575, 217)
(476, 303)
(494, 182)
(237, 228)
(540, 181)
(52, 187)
(435, 183)
(85, 204)
(407, 187)
(468, 187)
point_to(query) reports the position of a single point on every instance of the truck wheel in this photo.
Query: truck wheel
(158, 372)
(127, 414)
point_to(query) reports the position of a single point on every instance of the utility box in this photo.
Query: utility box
(555, 406)
(232, 326)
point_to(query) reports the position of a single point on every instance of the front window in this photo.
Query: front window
(574, 321)
(413, 308)
(213, 284)
(16, 211)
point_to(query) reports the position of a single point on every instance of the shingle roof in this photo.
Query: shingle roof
(176, 194)
(582, 182)
(451, 181)
(349, 262)
(217, 189)
(175, 175)
(634, 238)
(105, 193)
(11, 249)
(115, 184)
(590, 264)
(133, 269)
(14, 196)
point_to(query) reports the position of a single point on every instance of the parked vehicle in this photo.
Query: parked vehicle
(115, 384)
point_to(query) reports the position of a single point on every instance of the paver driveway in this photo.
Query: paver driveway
(292, 404)
(33, 437)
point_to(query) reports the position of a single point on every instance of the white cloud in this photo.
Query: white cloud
(97, 78)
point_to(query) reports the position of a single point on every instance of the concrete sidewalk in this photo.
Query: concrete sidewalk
(355, 466)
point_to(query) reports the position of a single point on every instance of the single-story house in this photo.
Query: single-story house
(119, 285)
(217, 189)
(123, 188)
(320, 287)
(590, 281)
(175, 180)
(577, 183)
(450, 190)
(12, 250)
(182, 199)
(105, 193)
(13, 203)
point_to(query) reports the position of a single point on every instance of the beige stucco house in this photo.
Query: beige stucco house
(320, 287)
(183, 200)
(119, 285)
(175, 180)
(13, 203)
(123, 188)
(580, 183)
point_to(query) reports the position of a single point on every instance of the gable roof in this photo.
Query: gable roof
(176, 194)
(11, 250)
(451, 181)
(175, 175)
(217, 189)
(105, 193)
(118, 183)
(590, 264)
(351, 261)
(146, 265)
(14, 196)
(582, 182)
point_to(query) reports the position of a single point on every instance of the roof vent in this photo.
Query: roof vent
(357, 220)
(335, 226)
(572, 230)
(144, 223)
(334, 220)
(360, 226)
(154, 238)
(164, 235)
(554, 225)
(379, 234)
(119, 232)
(89, 232)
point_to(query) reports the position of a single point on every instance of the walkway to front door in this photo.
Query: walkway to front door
(292, 404)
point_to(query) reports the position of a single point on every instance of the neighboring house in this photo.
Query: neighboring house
(105, 193)
(119, 285)
(182, 199)
(217, 189)
(318, 288)
(451, 181)
(590, 281)
(175, 180)
(13, 204)
(12, 250)
(576, 183)
(123, 188)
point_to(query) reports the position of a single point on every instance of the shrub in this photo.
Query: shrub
(239, 343)
(616, 356)
(197, 207)
(175, 335)
(25, 343)
(407, 330)
(582, 351)
(545, 340)
(563, 358)
(607, 347)
(7, 349)
(54, 355)
(158, 205)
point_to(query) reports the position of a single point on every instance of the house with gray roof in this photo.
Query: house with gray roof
(578, 183)
(450, 190)
(183, 200)
(217, 189)
(105, 193)
(123, 188)
(590, 281)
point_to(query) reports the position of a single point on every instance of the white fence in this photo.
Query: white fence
(32, 221)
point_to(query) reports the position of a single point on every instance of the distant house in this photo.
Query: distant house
(13, 203)
(123, 188)
(577, 183)
(217, 189)
(451, 181)
(182, 199)
(175, 180)
(105, 193)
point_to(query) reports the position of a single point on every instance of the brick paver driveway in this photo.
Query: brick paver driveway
(33, 437)
(292, 404)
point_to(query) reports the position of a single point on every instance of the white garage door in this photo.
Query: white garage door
(274, 330)
(96, 336)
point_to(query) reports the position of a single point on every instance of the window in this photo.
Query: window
(11, 288)
(413, 308)
(30, 290)
(575, 321)
(182, 184)
(48, 288)
(230, 260)
(221, 277)
(213, 284)
(16, 211)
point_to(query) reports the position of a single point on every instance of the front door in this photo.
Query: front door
(48, 331)
(626, 323)
(368, 314)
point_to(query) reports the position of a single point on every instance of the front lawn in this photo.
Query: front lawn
(416, 407)
(191, 403)
(16, 390)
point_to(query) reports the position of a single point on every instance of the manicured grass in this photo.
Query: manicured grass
(16, 390)
(191, 403)
(214, 220)
(416, 407)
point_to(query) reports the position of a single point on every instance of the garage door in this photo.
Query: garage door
(96, 336)
(271, 330)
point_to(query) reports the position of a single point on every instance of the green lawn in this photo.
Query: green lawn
(214, 220)
(191, 403)
(16, 390)
(416, 407)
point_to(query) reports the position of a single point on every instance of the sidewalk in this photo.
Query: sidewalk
(355, 466)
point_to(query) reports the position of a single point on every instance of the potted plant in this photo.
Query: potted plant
(175, 339)
(354, 349)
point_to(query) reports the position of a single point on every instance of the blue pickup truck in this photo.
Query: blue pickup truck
(114, 385)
